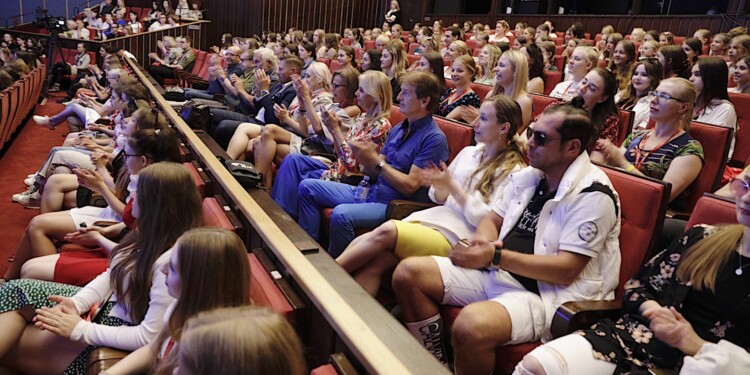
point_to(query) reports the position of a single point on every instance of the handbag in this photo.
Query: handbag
(196, 116)
(311, 145)
(245, 173)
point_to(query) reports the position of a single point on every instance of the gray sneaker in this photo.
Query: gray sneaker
(29, 196)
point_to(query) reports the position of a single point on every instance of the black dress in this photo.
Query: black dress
(630, 344)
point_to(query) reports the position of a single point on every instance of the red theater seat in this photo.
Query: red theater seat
(265, 292)
(712, 210)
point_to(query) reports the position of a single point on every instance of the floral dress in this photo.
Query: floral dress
(469, 98)
(631, 345)
(365, 129)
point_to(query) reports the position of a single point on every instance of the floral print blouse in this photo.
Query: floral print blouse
(364, 129)
(469, 98)
(630, 344)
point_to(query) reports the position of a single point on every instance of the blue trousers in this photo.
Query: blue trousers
(294, 169)
(314, 195)
(199, 94)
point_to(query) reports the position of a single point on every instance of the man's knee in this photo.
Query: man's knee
(341, 219)
(478, 324)
(410, 271)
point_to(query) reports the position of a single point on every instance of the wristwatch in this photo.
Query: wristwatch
(495, 263)
(380, 165)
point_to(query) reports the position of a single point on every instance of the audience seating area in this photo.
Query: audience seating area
(17, 103)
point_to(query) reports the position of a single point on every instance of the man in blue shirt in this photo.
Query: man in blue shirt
(414, 144)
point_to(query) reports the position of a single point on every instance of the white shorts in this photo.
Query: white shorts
(462, 286)
(295, 143)
(570, 355)
(85, 217)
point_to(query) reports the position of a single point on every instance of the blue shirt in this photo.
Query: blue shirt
(424, 145)
(215, 87)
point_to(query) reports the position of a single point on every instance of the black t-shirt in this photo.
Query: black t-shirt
(521, 237)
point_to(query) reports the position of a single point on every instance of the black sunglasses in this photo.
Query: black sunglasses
(540, 138)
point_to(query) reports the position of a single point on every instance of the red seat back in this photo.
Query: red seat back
(395, 117)
(551, 79)
(369, 44)
(335, 66)
(643, 204)
(265, 292)
(715, 141)
(412, 48)
(559, 62)
(412, 59)
(459, 135)
(625, 125)
(711, 210)
(741, 104)
(481, 90)
(540, 102)
(214, 215)
(324, 61)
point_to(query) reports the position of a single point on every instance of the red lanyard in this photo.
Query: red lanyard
(170, 345)
(640, 160)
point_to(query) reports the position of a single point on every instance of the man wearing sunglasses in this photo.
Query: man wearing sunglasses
(550, 239)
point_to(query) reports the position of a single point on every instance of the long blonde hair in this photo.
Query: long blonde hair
(377, 85)
(506, 110)
(520, 74)
(701, 263)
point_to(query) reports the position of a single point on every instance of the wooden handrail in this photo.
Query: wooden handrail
(369, 348)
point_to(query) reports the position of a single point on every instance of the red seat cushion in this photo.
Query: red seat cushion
(214, 215)
(265, 292)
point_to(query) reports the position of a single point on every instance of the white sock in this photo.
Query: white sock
(429, 333)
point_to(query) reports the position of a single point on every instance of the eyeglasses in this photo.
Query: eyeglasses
(738, 187)
(540, 138)
(662, 97)
(130, 155)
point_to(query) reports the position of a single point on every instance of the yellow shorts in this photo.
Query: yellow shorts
(415, 239)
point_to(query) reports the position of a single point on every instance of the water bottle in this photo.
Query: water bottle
(360, 194)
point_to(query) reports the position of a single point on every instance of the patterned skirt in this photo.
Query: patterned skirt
(16, 294)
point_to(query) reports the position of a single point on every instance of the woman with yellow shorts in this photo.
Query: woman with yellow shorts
(476, 177)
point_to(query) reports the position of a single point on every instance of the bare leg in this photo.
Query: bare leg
(368, 246)
(42, 352)
(265, 152)
(53, 196)
(40, 268)
(37, 240)
(282, 151)
(479, 328)
(244, 133)
(371, 274)
(13, 325)
(418, 287)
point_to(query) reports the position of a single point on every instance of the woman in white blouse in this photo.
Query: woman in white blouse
(474, 180)
(712, 106)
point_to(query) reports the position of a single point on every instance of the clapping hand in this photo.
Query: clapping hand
(301, 87)
(90, 179)
(612, 154)
(439, 177)
(366, 153)
(60, 319)
(100, 158)
(281, 112)
(262, 81)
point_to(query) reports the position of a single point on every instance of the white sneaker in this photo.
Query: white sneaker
(29, 196)
(30, 181)
(43, 121)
